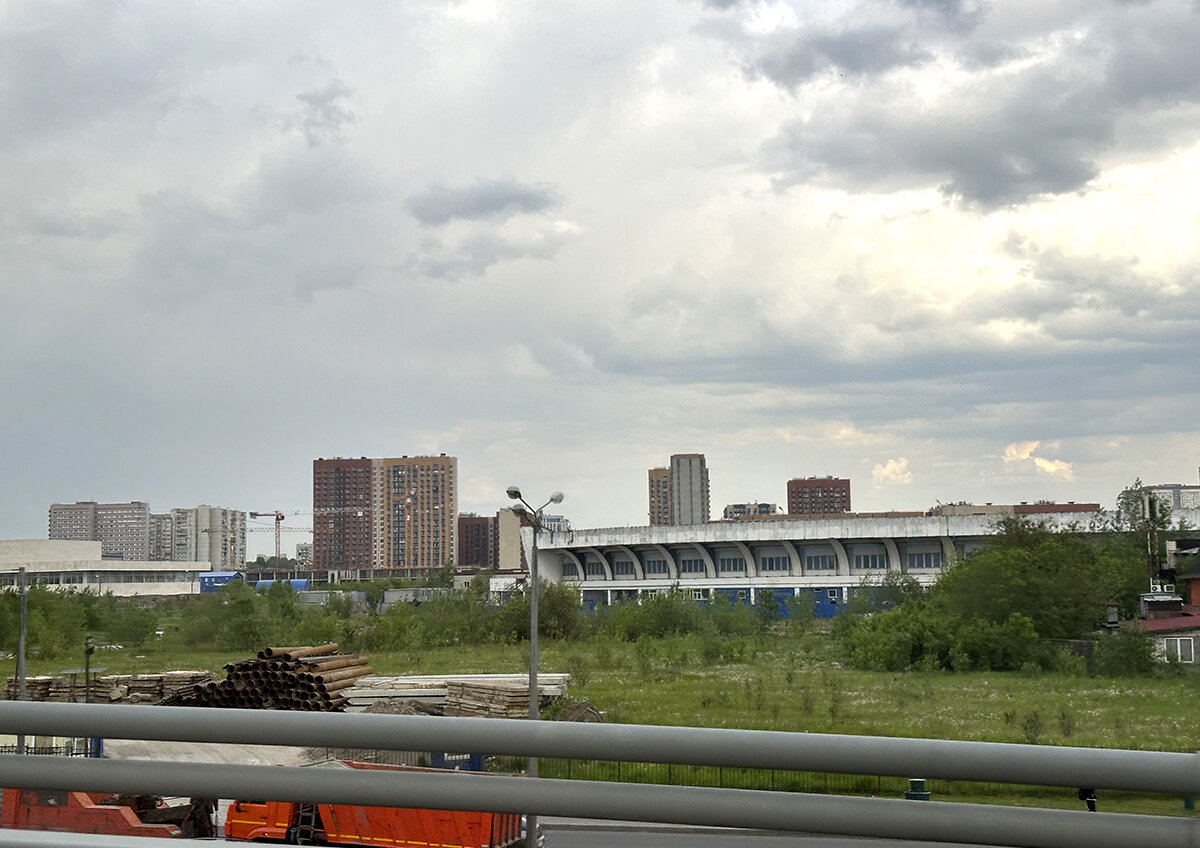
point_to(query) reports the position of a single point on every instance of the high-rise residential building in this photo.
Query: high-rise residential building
(344, 501)
(420, 503)
(818, 495)
(477, 541)
(210, 534)
(161, 537)
(129, 531)
(689, 489)
(395, 514)
(660, 496)
(122, 529)
(304, 553)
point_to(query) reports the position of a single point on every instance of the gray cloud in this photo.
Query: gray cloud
(325, 113)
(212, 218)
(1036, 137)
(866, 50)
(1025, 123)
(472, 256)
(441, 204)
(956, 15)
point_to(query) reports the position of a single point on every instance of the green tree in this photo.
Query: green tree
(241, 622)
(767, 608)
(1055, 579)
(559, 615)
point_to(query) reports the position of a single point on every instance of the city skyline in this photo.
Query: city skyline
(942, 249)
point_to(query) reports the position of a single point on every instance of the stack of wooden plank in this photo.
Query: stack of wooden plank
(312, 678)
(433, 689)
(486, 700)
(109, 688)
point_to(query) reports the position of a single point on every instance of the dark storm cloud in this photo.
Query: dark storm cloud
(441, 204)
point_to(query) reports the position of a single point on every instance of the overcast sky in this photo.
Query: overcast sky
(944, 248)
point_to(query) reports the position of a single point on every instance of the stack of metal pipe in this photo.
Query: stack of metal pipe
(300, 678)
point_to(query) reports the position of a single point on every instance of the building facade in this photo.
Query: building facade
(210, 534)
(343, 514)
(820, 561)
(818, 495)
(477, 541)
(1177, 495)
(749, 511)
(122, 529)
(388, 516)
(420, 502)
(79, 566)
(689, 489)
(660, 496)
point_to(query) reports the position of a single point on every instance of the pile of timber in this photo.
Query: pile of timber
(109, 688)
(312, 678)
(486, 700)
(434, 689)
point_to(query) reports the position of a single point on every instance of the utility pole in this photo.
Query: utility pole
(1150, 510)
(24, 624)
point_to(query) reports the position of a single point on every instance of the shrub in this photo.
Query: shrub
(1125, 653)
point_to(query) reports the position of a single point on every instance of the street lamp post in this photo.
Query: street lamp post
(535, 518)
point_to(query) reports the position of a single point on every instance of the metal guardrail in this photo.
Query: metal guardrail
(1137, 770)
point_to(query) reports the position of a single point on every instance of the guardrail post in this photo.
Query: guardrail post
(916, 790)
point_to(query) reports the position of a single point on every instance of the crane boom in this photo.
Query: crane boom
(278, 516)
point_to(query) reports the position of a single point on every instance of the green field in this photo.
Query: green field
(781, 682)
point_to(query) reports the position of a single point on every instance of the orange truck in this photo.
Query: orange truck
(351, 824)
(99, 812)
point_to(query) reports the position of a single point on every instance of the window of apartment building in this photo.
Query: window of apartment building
(925, 560)
(870, 562)
(1179, 648)
(820, 562)
(699, 594)
(775, 563)
(656, 566)
(593, 569)
(623, 568)
(569, 570)
(691, 566)
(731, 564)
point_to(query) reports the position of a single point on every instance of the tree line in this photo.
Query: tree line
(1008, 606)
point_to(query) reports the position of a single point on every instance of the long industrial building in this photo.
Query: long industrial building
(825, 557)
(80, 566)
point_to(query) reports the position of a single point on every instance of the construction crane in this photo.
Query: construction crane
(278, 516)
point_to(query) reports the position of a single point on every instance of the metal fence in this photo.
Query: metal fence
(749, 751)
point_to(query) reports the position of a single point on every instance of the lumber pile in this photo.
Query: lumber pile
(433, 689)
(311, 678)
(108, 688)
(486, 699)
